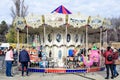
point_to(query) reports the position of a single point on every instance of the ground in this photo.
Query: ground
(50, 76)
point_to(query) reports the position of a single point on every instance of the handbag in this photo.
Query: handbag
(117, 62)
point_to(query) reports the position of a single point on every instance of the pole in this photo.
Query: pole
(66, 43)
(27, 37)
(106, 38)
(44, 37)
(100, 37)
(87, 39)
(18, 43)
(66, 39)
(100, 45)
(18, 39)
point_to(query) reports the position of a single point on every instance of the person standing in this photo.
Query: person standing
(24, 59)
(115, 57)
(109, 62)
(9, 59)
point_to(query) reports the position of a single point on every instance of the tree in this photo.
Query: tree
(11, 35)
(116, 26)
(3, 28)
(20, 9)
(3, 31)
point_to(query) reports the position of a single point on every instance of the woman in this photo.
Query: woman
(9, 59)
(114, 65)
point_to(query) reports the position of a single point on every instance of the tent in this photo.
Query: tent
(61, 9)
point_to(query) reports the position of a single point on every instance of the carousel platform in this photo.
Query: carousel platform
(64, 70)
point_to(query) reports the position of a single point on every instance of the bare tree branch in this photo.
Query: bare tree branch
(20, 9)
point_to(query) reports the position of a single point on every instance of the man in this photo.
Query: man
(109, 62)
(24, 59)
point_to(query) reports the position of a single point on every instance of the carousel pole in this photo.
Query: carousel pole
(66, 43)
(86, 46)
(87, 39)
(66, 37)
(27, 36)
(44, 36)
(100, 38)
(18, 47)
(106, 37)
(43, 30)
(26, 30)
(100, 45)
(83, 39)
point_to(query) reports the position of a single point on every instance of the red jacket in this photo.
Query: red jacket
(115, 55)
(106, 55)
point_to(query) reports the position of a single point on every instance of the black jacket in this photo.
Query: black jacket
(24, 56)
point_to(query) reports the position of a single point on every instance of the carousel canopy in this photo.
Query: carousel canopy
(59, 18)
(61, 9)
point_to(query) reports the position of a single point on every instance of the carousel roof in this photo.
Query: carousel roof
(61, 9)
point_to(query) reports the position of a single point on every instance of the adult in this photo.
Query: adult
(114, 65)
(24, 59)
(9, 59)
(108, 62)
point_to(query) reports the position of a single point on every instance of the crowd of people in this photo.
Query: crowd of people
(10, 56)
(111, 56)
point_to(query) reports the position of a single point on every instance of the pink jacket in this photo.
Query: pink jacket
(9, 56)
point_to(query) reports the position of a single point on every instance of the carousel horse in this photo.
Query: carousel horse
(94, 58)
(87, 63)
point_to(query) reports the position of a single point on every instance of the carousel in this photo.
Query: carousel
(63, 42)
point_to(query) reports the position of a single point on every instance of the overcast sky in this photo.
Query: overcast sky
(104, 8)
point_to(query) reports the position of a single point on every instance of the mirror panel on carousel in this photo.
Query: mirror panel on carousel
(58, 38)
(81, 39)
(69, 39)
(49, 37)
(76, 38)
(60, 57)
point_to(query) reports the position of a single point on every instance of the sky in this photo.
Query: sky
(103, 8)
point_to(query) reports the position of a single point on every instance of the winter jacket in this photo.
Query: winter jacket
(115, 55)
(24, 56)
(106, 55)
(9, 56)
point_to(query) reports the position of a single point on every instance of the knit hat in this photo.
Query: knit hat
(94, 48)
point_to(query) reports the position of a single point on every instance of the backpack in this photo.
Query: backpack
(110, 57)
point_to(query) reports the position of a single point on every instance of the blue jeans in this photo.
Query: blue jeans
(8, 68)
(114, 70)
